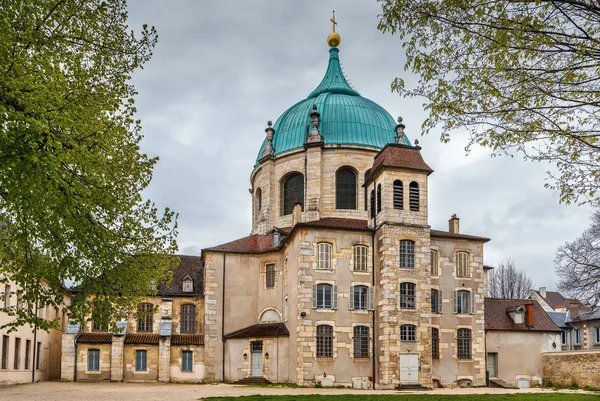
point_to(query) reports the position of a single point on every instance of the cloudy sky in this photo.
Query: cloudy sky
(221, 69)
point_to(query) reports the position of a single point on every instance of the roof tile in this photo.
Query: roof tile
(261, 330)
(187, 339)
(142, 338)
(95, 338)
(497, 318)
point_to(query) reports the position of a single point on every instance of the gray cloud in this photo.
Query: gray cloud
(222, 69)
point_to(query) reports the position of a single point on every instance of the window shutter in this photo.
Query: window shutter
(351, 298)
(371, 298)
(472, 302)
(455, 302)
(314, 296)
(334, 296)
(440, 299)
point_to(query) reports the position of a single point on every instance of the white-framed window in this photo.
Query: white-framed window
(597, 335)
(325, 296)
(408, 333)
(360, 258)
(407, 254)
(464, 302)
(361, 297)
(577, 336)
(324, 255)
(435, 261)
(188, 284)
(563, 337)
(461, 260)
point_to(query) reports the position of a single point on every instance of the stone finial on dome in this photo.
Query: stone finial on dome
(269, 150)
(400, 131)
(314, 136)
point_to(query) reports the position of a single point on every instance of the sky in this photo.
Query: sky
(222, 69)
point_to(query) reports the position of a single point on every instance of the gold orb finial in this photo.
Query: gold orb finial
(334, 38)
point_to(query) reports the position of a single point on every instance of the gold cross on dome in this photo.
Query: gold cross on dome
(333, 23)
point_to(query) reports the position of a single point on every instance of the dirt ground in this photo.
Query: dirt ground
(57, 391)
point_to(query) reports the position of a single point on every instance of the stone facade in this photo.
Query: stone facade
(567, 368)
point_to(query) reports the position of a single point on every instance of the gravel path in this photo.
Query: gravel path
(57, 391)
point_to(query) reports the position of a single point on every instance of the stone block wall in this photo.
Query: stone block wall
(576, 367)
(67, 360)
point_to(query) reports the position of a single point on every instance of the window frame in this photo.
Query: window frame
(93, 361)
(436, 301)
(187, 366)
(145, 322)
(460, 304)
(398, 195)
(408, 333)
(464, 344)
(596, 334)
(17, 354)
(324, 340)
(462, 259)
(576, 336)
(564, 337)
(414, 198)
(379, 202)
(408, 296)
(4, 357)
(324, 256)
(361, 257)
(361, 342)
(435, 343)
(141, 362)
(187, 285)
(290, 193)
(434, 256)
(321, 294)
(406, 254)
(270, 276)
(346, 189)
(360, 297)
(187, 319)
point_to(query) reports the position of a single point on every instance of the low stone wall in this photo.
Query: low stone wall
(572, 367)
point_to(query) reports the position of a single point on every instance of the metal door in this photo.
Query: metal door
(257, 356)
(409, 369)
(491, 364)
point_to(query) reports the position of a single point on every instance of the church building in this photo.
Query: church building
(342, 280)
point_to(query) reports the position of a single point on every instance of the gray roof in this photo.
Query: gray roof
(559, 318)
(593, 314)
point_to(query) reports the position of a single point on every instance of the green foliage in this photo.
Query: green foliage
(71, 170)
(520, 76)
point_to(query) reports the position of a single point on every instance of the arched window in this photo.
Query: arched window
(408, 333)
(407, 254)
(463, 339)
(398, 195)
(292, 189)
(378, 198)
(188, 319)
(324, 341)
(144, 318)
(461, 260)
(407, 296)
(372, 203)
(258, 199)
(414, 196)
(361, 341)
(345, 189)
(270, 315)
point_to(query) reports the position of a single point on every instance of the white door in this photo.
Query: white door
(409, 369)
(491, 364)
(256, 358)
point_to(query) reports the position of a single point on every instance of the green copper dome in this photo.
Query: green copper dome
(347, 118)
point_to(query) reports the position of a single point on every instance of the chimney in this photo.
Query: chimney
(453, 224)
(296, 212)
(529, 313)
(543, 292)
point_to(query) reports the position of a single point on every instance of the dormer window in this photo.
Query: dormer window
(517, 314)
(188, 284)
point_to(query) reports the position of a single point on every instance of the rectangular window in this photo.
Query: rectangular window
(188, 319)
(270, 276)
(37, 355)
(187, 358)
(19, 300)
(577, 336)
(93, 360)
(325, 296)
(463, 340)
(27, 353)
(407, 296)
(285, 271)
(6, 296)
(461, 259)
(597, 335)
(436, 301)
(140, 360)
(408, 333)
(285, 309)
(563, 337)
(435, 261)
(144, 320)
(464, 302)
(435, 343)
(324, 256)
(324, 341)
(4, 364)
(407, 254)
(360, 258)
(17, 356)
(361, 342)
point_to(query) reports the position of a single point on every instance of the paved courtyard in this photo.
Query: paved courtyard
(57, 391)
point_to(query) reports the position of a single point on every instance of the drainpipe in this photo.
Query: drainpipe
(35, 350)
(373, 278)
(223, 318)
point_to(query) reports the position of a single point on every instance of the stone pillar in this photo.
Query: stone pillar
(164, 359)
(67, 359)
(116, 358)
(314, 157)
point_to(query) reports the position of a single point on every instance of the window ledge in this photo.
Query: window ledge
(325, 310)
(362, 359)
(323, 359)
(465, 360)
(93, 372)
(360, 311)
(141, 371)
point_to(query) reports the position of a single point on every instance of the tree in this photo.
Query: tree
(506, 281)
(578, 264)
(521, 76)
(71, 170)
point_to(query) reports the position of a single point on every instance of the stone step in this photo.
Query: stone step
(495, 382)
(411, 387)
(252, 380)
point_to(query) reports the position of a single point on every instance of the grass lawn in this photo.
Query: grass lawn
(400, 397)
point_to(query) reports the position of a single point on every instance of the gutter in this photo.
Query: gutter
(223, 317)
